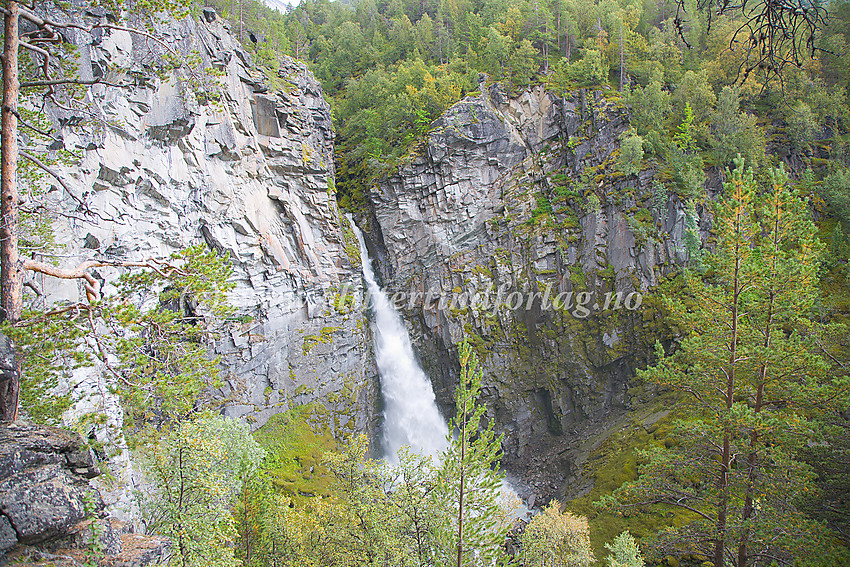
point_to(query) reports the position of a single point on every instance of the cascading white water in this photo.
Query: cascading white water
(411, 416)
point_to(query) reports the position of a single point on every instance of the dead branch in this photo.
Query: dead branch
(41, 165)
(92, 285)
(49, 25)
(44, 167)
(55, 82)
(31, 127)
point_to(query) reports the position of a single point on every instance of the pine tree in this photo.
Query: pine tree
(749, 370)
(625, 551)
(472, 527)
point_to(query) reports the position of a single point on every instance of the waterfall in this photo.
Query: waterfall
(411, 416)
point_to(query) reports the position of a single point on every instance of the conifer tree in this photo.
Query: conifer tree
(472, 529)
(750, 371)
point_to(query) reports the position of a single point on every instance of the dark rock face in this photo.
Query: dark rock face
(517, 197)
(47, 506)
(43, 483)
(8, 537)
(45, 502)
(8, 374)
(24, 447)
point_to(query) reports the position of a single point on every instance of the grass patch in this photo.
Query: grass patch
(613, 463)
(297, 441)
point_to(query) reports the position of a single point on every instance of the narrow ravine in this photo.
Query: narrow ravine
(411, 415)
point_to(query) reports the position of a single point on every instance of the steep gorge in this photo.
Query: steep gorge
(506, 192)
(520, 195)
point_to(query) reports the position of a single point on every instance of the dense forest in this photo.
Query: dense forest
(750, 469)
(392, 68)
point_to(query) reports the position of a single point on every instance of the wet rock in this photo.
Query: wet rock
(521, 194)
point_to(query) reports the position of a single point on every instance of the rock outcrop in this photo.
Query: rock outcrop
(48, 507)
(512, 207)
(43, 487)
(221, 152)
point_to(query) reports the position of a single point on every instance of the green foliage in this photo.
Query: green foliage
(296, 441)
(381, 114)
(360, 531)
(50, 353)
(835, 191)
(94, 550)
(751, 324)
(693, 90)
(542, 210)
(630, 160)
(555, 539)
(348, 509)
(163, 352)
(650, 106)
(469, 481)
(591, 70)
(692, 237)
(625, 551)
(684, 137)
(163, 365)
(734, 132)
(196, 471)
(802, 125)
(523, 64)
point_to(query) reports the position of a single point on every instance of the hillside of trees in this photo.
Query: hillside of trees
(391, 68)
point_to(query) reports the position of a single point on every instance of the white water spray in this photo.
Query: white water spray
(411, 416)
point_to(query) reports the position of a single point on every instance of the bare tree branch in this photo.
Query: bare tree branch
(44, 167)
(92, 285)
(54, 82)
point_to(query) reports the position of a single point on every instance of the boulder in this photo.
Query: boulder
(44, 488)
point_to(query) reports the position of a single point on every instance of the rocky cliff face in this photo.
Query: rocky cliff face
(222, 153)
(514, 204)
(47, 507)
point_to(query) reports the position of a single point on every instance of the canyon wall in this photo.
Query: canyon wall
(516, 201)
(219, 152)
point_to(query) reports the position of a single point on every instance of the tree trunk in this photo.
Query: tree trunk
(622, 60)
(752, 457)
(460, 492)
(558, 33)
(726, 456)
(11, 279)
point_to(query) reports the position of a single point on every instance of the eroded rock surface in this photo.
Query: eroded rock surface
(44, 489)
(48, 507)
(241, 161)
(516, 201)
